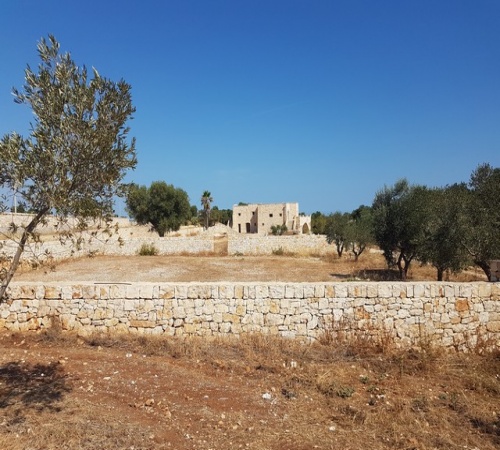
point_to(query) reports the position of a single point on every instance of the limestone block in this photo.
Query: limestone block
(403, 314)
(312, 323)
(39, 292)
(111, 323)
(337, 291)
(418, 290)
(493, 326)
(226, 291)
(399, 290)
(261, 292)
(437, 290)
(249, 292)
(27, 292)
(166, 292)
(116, 291)
(277, 291)
(181, 291)
(256, 319)
(384, 290)
(99, 314)
(308, 291)
(319, 291)
(462, 305)
(132, 292)
(491, 305)
(273, 319)
(274, 306)
(465, 290)
(356, 291)
(239, 292)
(231, 318)
(129, 305)
(190, 328)
(290, 291)
(179, 312)
(221, 308)
(484, 290)
(146, 291)
(217, 317)
(187, 303)
(193, 292)
(324, 304)
(450, 292)
(371, 291)
(495, 291)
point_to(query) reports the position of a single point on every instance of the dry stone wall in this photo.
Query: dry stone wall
(454, 315)
(254, 244)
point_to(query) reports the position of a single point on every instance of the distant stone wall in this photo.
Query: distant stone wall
(253, 244)
(452, 315)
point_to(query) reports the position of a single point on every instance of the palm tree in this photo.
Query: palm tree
(206, 200)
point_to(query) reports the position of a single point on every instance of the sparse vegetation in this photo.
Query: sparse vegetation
(148, 250)
(345, 393)
(278, 230)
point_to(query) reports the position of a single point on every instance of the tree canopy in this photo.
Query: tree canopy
(482, 221)
(162, 205)
(77, 151)
(399, 214)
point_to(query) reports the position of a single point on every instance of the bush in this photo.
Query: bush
(148, 250)
(278, 230)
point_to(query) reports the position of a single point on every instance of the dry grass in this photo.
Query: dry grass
(344, 391)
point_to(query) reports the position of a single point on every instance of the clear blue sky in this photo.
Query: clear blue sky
(318, 102)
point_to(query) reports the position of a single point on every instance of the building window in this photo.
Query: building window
(271, 215)
(239, 214)
(281, 214)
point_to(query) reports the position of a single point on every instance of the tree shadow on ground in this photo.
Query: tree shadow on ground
(39, 386)
(369, 275)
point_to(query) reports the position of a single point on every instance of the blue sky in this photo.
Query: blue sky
(317, 102)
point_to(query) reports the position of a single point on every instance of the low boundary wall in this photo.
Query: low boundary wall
(454, 315)
(254, 244)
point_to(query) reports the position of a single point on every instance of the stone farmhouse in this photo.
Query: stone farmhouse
(259, 218)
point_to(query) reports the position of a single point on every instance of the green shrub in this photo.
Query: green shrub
(148, 250)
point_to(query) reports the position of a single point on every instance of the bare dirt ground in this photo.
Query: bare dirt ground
(60, 391)
(371, 266)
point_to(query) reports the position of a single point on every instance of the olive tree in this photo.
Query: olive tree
(360, 230)
(444, 230)
(482, 236)
(336, 230)
(398, 216)
(162, 205)
(77, 151)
